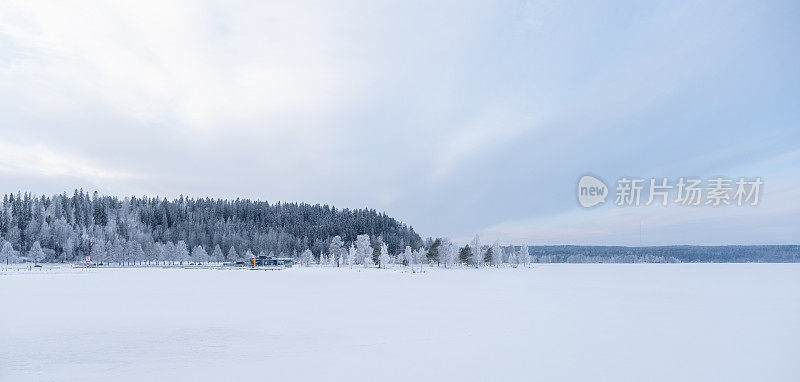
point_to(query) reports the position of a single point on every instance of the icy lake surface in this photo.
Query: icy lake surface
(627, 322)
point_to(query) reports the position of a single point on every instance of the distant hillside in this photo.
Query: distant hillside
(682, 253)
(68, 226)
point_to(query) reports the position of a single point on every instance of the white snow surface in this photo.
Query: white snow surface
(556, 322)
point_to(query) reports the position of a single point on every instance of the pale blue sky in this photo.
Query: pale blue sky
(458, 117)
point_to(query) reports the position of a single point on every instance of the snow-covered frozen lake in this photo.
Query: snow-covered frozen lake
(574, 322)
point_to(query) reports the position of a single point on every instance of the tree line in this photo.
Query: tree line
(62, 228)
(134, 230)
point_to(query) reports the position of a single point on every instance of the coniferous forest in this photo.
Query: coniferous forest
(66, 228)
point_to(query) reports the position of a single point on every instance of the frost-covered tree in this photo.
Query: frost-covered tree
(349, 255)
(336, 250)
(199, 254)
(448, 253)
(497, 254)
(130, 252)
(523, 257)
(67, 226)
(67, 250)
(363, 249)
(149, 249)
(512, 256)
(8, 253)
(116, 251)
(248, 257)
(182, 252)
(384, 256)
(421, 255)
(217, 255)
(368, 260)
(306, 258)
(35, 253)
(477, 254)
(171, 252)
(138, 253)
(408, 256)
(161, 253)
(232, 255)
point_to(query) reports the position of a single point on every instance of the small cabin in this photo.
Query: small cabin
(270, 261)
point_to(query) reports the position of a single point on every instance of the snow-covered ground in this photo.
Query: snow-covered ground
(612, 322)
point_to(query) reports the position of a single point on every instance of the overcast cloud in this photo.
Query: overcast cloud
(455, 117)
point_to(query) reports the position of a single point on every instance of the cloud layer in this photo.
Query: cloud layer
(457, 117)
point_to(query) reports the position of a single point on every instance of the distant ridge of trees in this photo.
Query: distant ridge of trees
(67, 227)
(673, 253)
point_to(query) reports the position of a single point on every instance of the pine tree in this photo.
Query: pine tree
(377, 244)
(465, 254)
(433, 252)
(217, 255)
(232, 255)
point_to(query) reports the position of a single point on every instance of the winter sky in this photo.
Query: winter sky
(455, 117)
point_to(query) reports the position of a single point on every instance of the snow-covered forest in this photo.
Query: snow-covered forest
(65, 228)
(134, 230)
